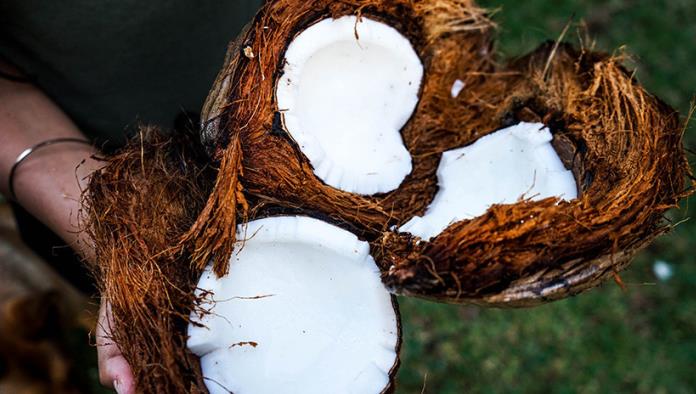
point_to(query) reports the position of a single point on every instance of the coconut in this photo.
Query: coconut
(391, 123)
(625, 150)
(251, 92)
(622, 145)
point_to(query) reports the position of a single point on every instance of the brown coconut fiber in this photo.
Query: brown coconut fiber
(161, 211)
(145, 200)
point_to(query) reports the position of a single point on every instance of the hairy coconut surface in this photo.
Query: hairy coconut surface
(138, 207)
(159, 215)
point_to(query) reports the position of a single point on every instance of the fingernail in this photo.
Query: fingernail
(117, 386)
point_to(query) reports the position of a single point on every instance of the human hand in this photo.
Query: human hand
(114, 371)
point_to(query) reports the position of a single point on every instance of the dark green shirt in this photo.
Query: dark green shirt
(111, 64)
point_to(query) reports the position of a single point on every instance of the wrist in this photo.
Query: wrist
(34, 149)
(49, 184)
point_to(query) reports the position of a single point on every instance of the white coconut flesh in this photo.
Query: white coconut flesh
(302, 310)
(347, 89)
(514, 163)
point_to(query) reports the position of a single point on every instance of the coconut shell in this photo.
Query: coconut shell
(625, 149)
(161, 210)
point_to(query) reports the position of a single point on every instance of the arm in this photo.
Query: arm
(49, 185)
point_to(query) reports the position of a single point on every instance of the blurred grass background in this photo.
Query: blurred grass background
(642, 340)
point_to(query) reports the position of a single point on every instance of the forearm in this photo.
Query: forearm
(49, 183)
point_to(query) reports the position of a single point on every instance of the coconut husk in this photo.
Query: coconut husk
(138, 207)
(159, 213)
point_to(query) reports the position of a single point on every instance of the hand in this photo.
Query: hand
(114, 371)
(49, 185)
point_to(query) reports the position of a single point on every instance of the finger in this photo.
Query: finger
(117, 374)
(114, 371)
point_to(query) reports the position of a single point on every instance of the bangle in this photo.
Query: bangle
(27, 152)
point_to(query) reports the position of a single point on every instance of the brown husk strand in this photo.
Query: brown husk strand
(213, 233)
(158, 213)
(138, 207)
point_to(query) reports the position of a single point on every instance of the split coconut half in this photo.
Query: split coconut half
(362, 149)
(302, 310)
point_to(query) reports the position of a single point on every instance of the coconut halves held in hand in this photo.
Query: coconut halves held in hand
(354, 150)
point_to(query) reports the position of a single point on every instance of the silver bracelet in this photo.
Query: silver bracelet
(27, 152)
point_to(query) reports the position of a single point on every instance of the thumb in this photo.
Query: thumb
(114, 371)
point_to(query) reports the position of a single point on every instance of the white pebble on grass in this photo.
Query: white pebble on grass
(663, 270)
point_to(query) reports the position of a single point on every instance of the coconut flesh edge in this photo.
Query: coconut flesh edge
(501, 168)
(347, 89)
(302, 310)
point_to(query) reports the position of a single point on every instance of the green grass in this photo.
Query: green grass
(607, 340)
